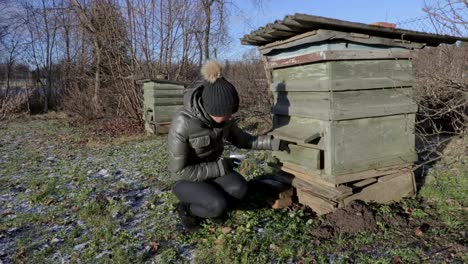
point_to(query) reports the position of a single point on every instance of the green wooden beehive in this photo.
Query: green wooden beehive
(343, 94)
(161, 98)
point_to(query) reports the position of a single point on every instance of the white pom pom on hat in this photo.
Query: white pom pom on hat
(211, 71)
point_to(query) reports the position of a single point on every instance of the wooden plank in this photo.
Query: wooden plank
(155, 102)
(369, 68)
(318, 205)
(312, 112)
(345, 191)
(307, 157)
(394, 175)
(348, 166)
(370, 173)
(342, 105)
(151, 98)
(168, 101)
(291, 39)
(297, 133)
(324, 35)
(371, 143)
(315, 175)
(335, 45)
(305, 174)
(163, 81)
(318, 71)
(309, 21)
(335, 70)
(320, 85)
(307, 104)
(365, 182)
(372, 103)
(322, 56)
(162, 128)
(165, 113)
(148, 86)
(282, 27)
(384, 192)
(319, 188)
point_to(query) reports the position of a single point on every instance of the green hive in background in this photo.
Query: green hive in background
(161, 98)
(343, 96)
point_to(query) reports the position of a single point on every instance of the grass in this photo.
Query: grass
(108, 200)
(447, 190)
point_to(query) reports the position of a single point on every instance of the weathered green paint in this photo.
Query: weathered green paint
(301, 131)
(340, 85)
(390, 72)
(161, 100)
(307, 157)
(332, 45)
(353, 145)
(345, 104)
(369, 143)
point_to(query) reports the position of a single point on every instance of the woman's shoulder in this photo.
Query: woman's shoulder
(184, 121)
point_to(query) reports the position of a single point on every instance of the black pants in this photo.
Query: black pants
(209, 199)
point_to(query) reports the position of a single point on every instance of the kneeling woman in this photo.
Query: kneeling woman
(206, 181)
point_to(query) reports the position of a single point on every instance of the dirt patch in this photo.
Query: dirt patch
(354, 218)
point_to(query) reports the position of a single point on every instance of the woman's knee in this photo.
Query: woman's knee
(239, 190)
(216, 207)
(234, 184)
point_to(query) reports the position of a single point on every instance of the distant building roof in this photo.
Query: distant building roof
(300, 23)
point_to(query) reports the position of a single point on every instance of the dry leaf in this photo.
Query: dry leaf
(21, 255)
(226, 230)
(274, 247)
(418, 232)
(396, 260)
(153, 247)
(8, 211)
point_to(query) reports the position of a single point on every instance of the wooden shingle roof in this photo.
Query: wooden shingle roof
(300, 23)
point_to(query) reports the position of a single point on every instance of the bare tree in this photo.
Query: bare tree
(86, 23)
(92, 52)
(448, 16)
(42, 27)
(214, 25)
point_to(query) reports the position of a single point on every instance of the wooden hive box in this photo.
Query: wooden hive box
(343, 99)
(161, 98)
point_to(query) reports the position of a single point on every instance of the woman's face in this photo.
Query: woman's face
(220, 119)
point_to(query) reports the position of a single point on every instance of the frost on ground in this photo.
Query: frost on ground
(69, 196)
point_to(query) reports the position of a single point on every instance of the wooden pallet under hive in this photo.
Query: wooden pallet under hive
(324, 196)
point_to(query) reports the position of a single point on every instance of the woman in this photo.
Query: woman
(206, 181)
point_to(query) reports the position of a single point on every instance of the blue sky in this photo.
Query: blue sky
(246, 17)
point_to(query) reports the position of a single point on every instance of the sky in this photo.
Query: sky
(246, 17)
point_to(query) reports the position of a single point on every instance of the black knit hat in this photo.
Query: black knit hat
(219, 96)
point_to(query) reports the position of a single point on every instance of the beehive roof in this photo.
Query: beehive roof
(300, 23)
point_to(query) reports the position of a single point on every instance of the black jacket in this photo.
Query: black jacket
(196, 143)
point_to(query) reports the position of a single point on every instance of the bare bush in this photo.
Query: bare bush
(441, 83)
(249, 77)
(442, 89)
(12, 103)
(76, 101)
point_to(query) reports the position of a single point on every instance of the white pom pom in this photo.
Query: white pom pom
(211, 71)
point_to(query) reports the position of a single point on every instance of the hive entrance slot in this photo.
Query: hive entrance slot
(322, 160)
(314, 139)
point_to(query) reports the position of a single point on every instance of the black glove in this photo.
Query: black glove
(227, 165)
(279, 145)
